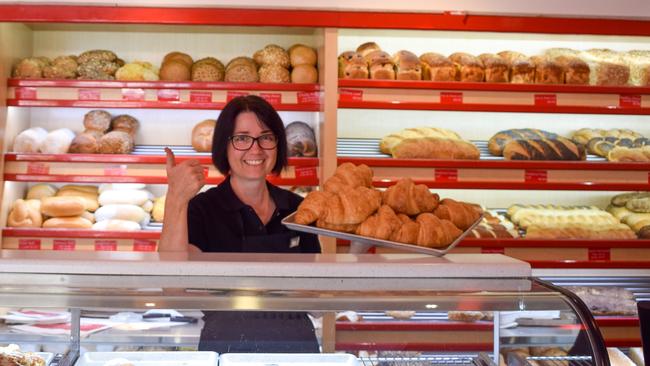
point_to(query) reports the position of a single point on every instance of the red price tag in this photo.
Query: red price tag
(29, 244)
(133, 94)
(545, 99)
(306, 172)
(350, 95)
(599, 254)
(536, 176)
(107, 245)
(626, 100)
(230, 95)
(115, 170)
(64, 244)
(648, 177)
(140, 245)
(38, 168)
(446, 175)
(272, 98)
(451, 98)
(169, 95)
(308, 97)
(26, 93)
(201, 97)
(89, 94)
(493, 250)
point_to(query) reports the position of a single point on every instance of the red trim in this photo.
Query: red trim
(617, 321)
(578, 186)
(590, 264)
(495, 164)
(415, 326)
(492, 108)
(133, 159)
(307, 181)
(144, 104)
(314, 18)
(456, 85)
(626, 342)
(352, 346)
(111, 84)
(554, 243)
(75, 233)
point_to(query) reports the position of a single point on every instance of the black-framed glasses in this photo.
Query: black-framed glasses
(244, 142)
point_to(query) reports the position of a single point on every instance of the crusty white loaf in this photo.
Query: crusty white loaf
(57, 141)
(131, 197)
(30, 140)
(123, 212)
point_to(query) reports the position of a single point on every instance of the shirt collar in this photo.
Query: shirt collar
(229, 200)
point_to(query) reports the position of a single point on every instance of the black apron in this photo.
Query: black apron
(260, 331)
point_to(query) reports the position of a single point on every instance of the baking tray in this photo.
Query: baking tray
(151, 358)
(289, 222)
(287, 359)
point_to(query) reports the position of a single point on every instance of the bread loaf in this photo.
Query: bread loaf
(299, 54)
(501, 138)
(84, 188)
(25, 213)
(547, 71)
(62, 67)
(618, 153)
(470, 67)
(86, 143)
(639, 63)
(242, 69)
(31, 67)
(39, 191)
(407, 66)
(137, 71)
(90, 199)
(388, 142)
(119, 186)
(380, 65)
(436, 67)
(522, 69)
(493, 231)
(62, 206)
(575, 70)
(116, 225)
(30, 140)
(352, 65)
(435, 148)
(57, 141)
(607, 232)
(622, 199)
(123, 212)
(75, 222)
(97, 120)
(147, 206)
(367, 48)
(607, 67)
(116, 142)
(497, 70)
(131, 197)
(125, 123)
(202, 134)
(543, 149)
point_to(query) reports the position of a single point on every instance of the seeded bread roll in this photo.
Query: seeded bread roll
(116, 142)
(97, 120)
(242, 69)
(31, 68)
(436, 67)
(272, 55)
(274, 74)
(407, 66)
(497, 69)
(352, 66)
(368, 48)
(299, 54)
(471, 68)
(208, 69)
(62, 67)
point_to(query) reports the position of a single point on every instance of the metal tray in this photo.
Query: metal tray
(287, 359)
(150, 358)
(289, 222)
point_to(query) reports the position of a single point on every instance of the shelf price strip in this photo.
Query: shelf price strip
(629, 101)
(548, 100)
(451, 98)
(169, 95)
(89, 94)
(200, 96)
(64, 244)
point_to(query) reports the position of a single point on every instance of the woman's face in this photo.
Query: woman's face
(255, 163)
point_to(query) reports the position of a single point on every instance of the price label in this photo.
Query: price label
(446, 175)
(542, 100)
(130, 94)
(230, 95)
(38, 168)
(493, 250)
(29, 244)
(105, 245)
(26, 93)
(115, 170)
(272, 98)
(629, 101)
(599, 254)
(64, 244)
(535, 176)
(308, 97)
(451, 97)
(350, 95)
(169, 95)
(200, 97)
(89, 94)
(140, 245)
(306, 172)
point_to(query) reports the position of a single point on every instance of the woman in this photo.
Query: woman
(242, 214)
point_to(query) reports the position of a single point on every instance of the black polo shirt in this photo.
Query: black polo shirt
(218, 221)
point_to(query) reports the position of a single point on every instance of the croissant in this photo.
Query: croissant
(434, 232)
(381, 225)
(312, 207)
(25, 213)
(352, 206)
(346, 228)
(349, 175)
(410, 199)
(462, 214)
(408, 232)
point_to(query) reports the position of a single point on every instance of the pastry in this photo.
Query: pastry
(461, 214)
(25, 213)
(407, 198)
(301, 140)
(380, 225)
(348, 175)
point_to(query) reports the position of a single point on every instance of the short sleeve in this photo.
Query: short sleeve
(195, 226)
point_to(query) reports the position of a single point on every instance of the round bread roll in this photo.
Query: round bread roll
(86, 142)
(57, 141)
(63, 206)
(76, 222)
(202, 135)
(299, 54)
(242, 72)
(116, 142)
(241, 60)
(62, 67)
(125, 123)
(178, 56)
(30, 68)
(25, 214)
(175, 71)
(272, 55)
(39, 191)
(97, 120)
(274, 74)
(208, 69)
(304, 74)
(30, 140)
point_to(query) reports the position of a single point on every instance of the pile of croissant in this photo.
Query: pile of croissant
(405, 212)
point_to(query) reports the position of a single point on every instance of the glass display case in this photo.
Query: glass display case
(460, 309)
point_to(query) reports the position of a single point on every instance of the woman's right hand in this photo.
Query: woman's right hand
(184, 180)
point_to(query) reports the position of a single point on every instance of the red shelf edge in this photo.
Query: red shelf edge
(576, 264)
(617, 321)
(629, 342)
(544, 243)
(412, 346)
(145, 104)
(307, 181)
(414, 326)
(75, 233)
(493, 108)
(576, 186)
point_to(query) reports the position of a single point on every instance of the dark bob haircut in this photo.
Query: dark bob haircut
(226, 126)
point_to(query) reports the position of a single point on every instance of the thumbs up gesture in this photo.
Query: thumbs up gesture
(185, 179)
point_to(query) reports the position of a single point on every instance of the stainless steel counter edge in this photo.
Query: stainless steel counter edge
(266, 265)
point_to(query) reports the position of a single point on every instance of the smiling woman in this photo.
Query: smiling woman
(243, 214)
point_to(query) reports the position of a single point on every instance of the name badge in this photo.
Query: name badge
(295, 241)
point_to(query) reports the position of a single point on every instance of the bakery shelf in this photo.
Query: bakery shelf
(81, 239)
(156, 94)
